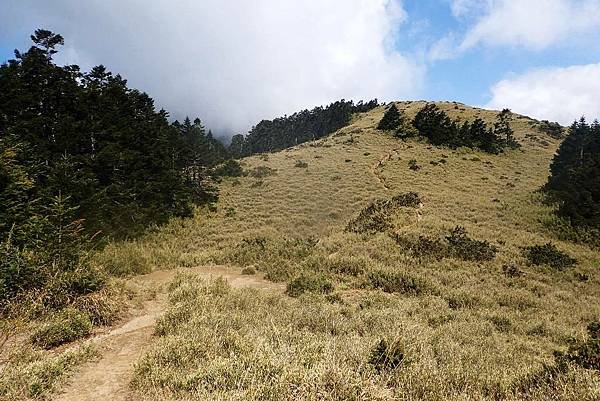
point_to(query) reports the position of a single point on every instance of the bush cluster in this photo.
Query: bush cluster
(549, 255)
(398, 282)
(457, 245)
(376, 217)
(306, 282)
(231, 168)
(261, 172)
(465, 248)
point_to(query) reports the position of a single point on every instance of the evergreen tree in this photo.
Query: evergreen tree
(575, 175)
(306, 125)
(434, 124)
(503, 130)
(392, 119)
(95, 141)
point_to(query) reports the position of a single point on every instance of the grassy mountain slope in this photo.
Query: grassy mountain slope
(467, 329)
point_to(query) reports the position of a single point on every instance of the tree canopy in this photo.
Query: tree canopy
(434, 124)
(574, 180)
(101, 145)
(304, 126)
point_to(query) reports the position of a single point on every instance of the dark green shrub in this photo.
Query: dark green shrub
(548, 255)
(422, 246)
(66, 326)
(398, 282)
(376, 217)
(231, 168)
(412, 164)
(315, 283)
(552, 129)
(301, 164)
(386, 356)
(465, 248)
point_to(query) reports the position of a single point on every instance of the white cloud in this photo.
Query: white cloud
(466, 8)
(532, 24)
(556, 94)
(234, 62)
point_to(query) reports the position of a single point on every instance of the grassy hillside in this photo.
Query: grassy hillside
(387, 307)
(467, 329)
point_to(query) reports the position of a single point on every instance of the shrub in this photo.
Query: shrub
(248, 271)
(552, 129)
(465, 248)
(422, 246)
(398, 282)
(548, 255)
(301, 164)
(376, 217)
(316, 283)
(412, 164)
(231, 168)
(584, 353)
(386, 356)
(512, 271)
(261, 172)
(66, 326)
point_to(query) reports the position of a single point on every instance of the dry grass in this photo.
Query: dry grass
(476, 333)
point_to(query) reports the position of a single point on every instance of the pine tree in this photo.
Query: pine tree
(503, 130)
(392, 119)
(574, 181)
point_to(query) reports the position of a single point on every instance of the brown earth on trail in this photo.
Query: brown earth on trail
(108, 378)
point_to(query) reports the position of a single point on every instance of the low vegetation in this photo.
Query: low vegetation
(65, 326)
(548, 255)
(434, 293)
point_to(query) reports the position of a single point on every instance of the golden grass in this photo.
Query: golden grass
(475, 337)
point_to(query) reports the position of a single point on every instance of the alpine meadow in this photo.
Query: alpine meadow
(355, 250)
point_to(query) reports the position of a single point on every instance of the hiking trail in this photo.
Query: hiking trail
(108, 377)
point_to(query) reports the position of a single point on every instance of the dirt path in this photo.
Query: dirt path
(109, 377)
(378, 165)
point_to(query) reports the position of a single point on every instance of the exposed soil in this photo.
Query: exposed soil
(108, 378)
(378, 166)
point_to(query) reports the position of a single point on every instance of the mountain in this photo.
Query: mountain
(357, 266)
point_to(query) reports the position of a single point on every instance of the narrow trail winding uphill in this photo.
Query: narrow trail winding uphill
(109, 377)
(378, 165)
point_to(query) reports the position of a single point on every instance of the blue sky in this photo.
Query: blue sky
(260, 59)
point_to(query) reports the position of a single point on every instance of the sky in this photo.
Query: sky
(235, 62)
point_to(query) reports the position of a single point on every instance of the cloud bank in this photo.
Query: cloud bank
(234, 62)
(558, 94)
(532, 24)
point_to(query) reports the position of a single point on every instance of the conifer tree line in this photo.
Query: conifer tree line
(434, 124)
(101, 146)
(574, 181)
(82, 154)
(304, 126)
